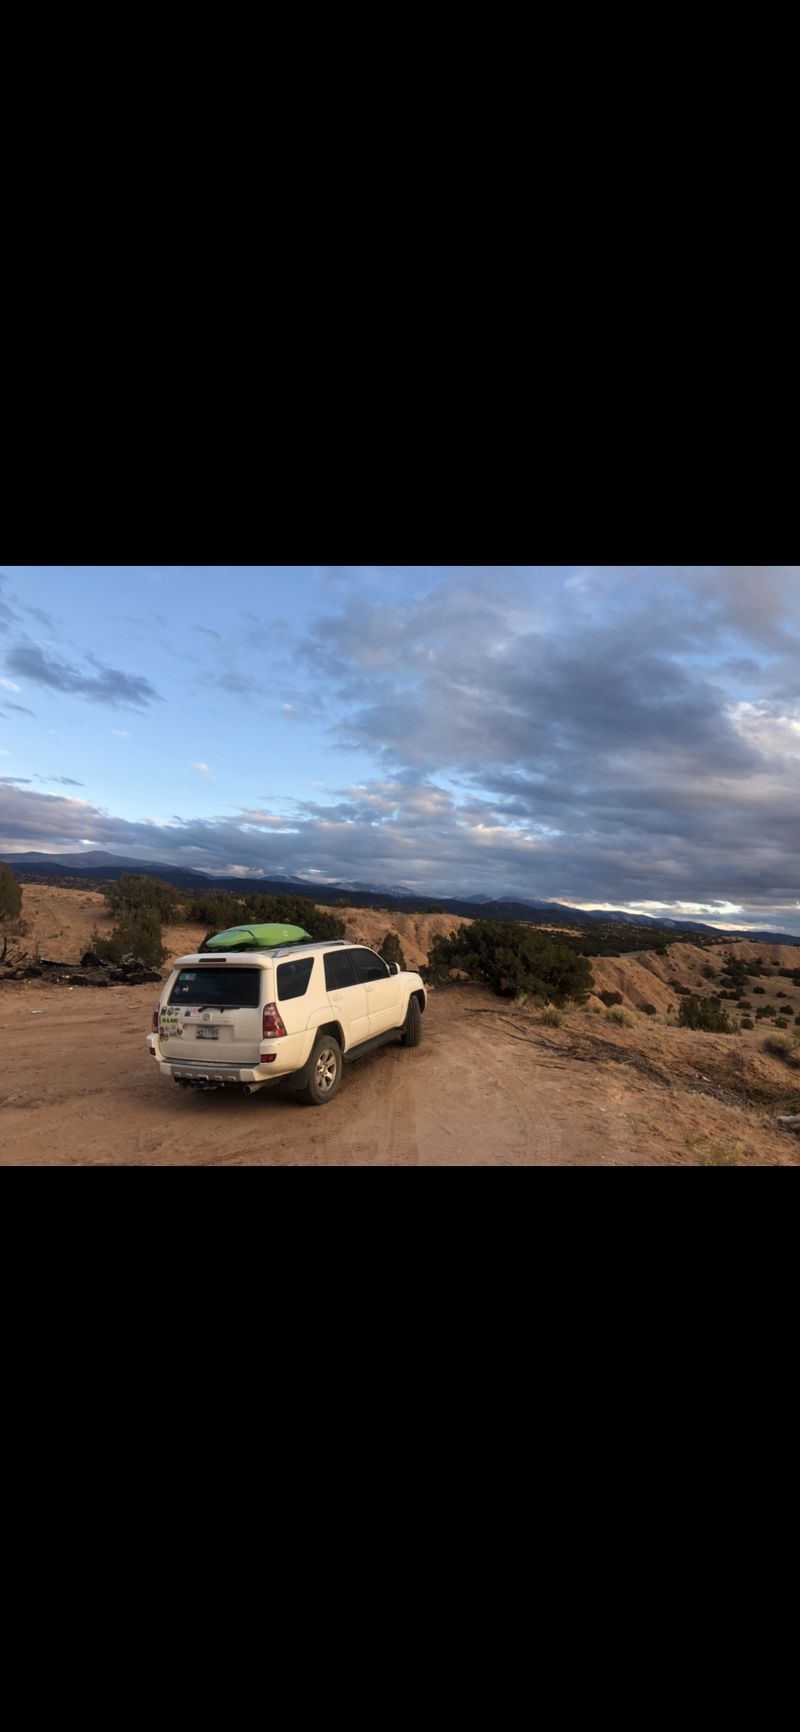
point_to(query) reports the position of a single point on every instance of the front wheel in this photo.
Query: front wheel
(324, 1072)
(412, 1027)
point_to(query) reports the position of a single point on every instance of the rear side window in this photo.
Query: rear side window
(339, 970)
(368, 966)
(235, 988)
(293, 977)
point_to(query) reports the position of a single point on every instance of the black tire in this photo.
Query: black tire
(324, 1072)
(412, 1027)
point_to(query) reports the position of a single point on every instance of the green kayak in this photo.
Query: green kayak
(256, 937)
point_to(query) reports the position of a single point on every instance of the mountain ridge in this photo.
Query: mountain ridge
(101, 866)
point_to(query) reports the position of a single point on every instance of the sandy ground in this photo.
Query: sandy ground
(490, 1085)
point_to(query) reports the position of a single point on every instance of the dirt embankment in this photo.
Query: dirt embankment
(61, 923)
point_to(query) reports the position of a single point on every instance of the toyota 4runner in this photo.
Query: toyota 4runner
(299, 1012)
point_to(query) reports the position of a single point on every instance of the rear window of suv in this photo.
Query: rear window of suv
(293, 978)
(235, 988)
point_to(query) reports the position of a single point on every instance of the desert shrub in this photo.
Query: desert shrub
(783, 1046)
(609, 998)
(509, 959)
(392, 950)
(705, 1014)
(747, 1022)
(551, 1017)
(10, 894)
(744, 1004)
(712, 1152)
(709, 973)
(620, 1014)
(133, 894)
(761, 989)
(292, 911)
(216, 909)
(138, 937)
(797, 1020)
(780, 1022)
(435, 908)
(648, 1010)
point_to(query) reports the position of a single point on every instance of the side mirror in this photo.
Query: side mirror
(394, 968)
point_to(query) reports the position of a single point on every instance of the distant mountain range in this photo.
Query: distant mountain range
(99, 865)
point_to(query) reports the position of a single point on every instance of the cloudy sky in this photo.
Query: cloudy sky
(624, 736)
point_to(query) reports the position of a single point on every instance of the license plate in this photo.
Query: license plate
(207, 1033)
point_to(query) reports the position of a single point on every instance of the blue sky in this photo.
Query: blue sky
(602, 735)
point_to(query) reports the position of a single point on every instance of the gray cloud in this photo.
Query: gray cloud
(105, 685)
(432, 839)
(591, 734)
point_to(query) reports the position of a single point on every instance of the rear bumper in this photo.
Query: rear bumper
(191, 1070)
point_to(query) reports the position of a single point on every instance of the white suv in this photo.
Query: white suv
(299, 1011)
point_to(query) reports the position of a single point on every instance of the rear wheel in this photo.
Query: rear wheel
(412, 1027)
(324, 1072)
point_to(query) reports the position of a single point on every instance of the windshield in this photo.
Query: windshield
(239, 987)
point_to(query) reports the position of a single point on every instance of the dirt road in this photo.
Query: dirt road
(486, 1087)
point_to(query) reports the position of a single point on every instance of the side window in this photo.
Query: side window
(339, 970)
(293, 978)
(368, 966)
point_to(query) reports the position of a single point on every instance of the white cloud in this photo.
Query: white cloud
(203, 770)
(9, 686)
(122, 733)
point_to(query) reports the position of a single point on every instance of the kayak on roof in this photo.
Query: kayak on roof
(256, 937)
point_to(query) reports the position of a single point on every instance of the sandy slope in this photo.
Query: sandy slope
(62, 921)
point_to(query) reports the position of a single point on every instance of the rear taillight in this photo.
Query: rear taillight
(155, 1020)
(272, 1026)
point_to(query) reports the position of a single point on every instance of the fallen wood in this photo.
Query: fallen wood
(790, 1122)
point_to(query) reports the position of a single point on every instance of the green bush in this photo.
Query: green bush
(139, 938)
(609, 998)
(391, 950)
(133, 894)
(747, 1022)
(216, 909)
(291, 911)
(705, 1014)
(648, 1010)
(10, 894)
(509, 959)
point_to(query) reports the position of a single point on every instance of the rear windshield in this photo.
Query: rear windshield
(236, 988)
